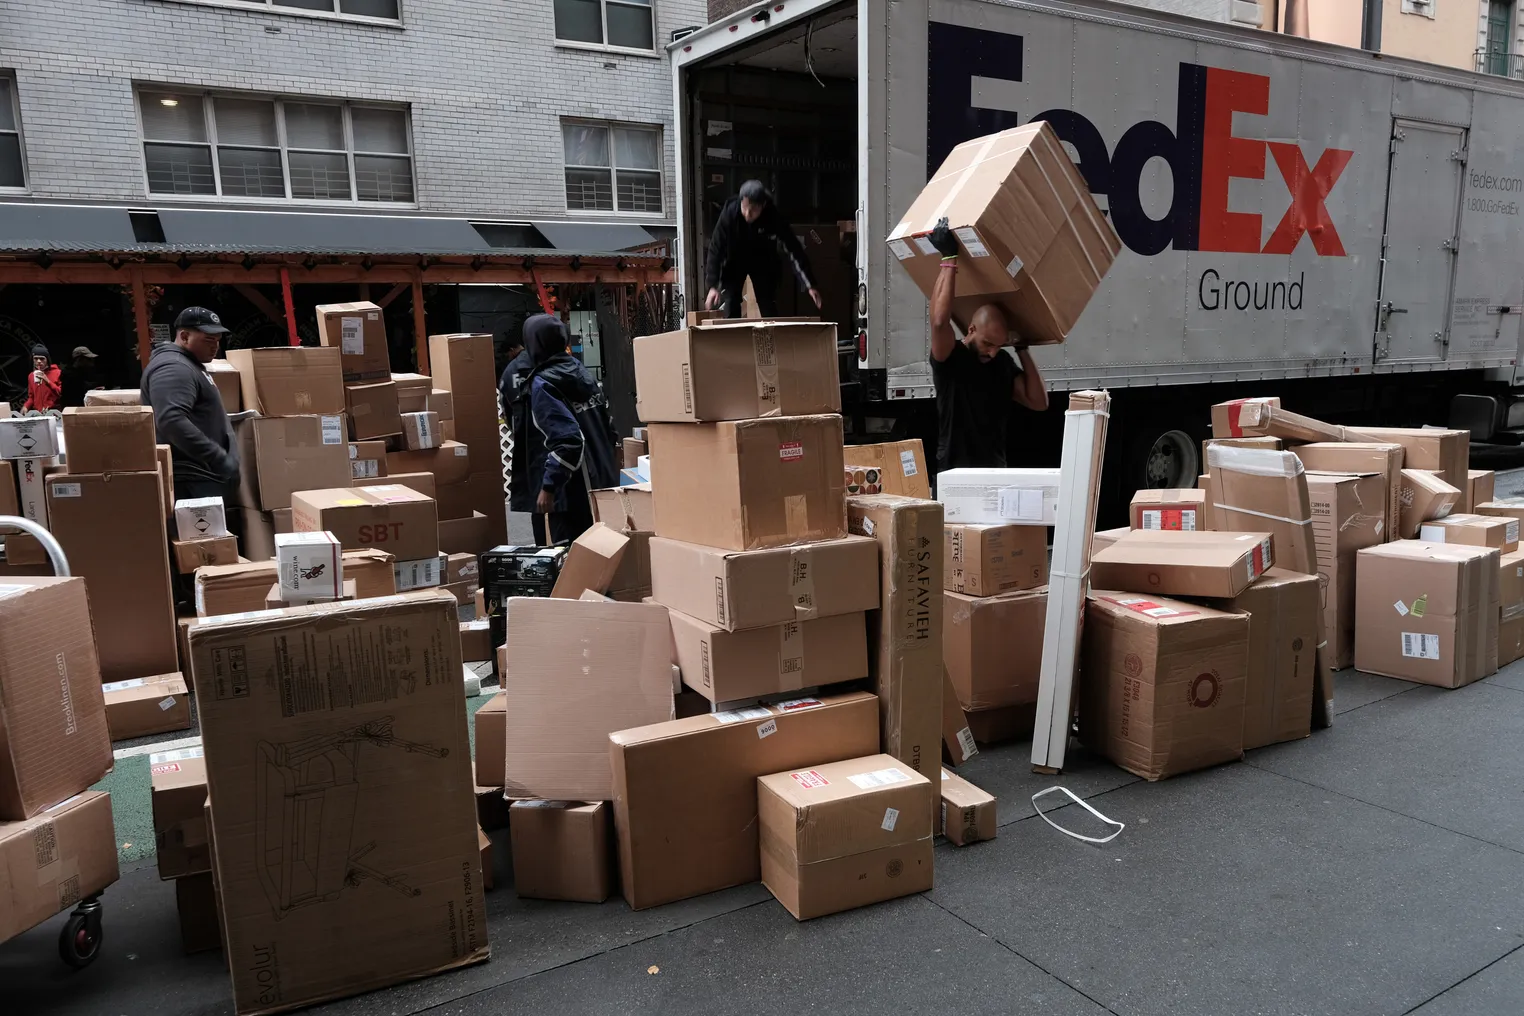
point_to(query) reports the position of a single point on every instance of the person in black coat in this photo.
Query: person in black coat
(188, 414)
(745, 244)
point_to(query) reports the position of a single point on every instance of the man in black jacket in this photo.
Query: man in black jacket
(187, 408)
(745, 243)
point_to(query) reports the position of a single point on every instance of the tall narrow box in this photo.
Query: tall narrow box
(359, 332)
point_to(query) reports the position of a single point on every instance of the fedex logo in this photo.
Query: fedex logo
(1202, 152)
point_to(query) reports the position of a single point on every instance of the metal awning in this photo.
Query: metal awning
(600, 236)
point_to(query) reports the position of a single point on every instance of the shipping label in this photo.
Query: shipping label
(742, 715)
(1175, 519)
(879, 778)
(790, 451)
(791, 651)
(810, 779)
(765, 356)
(1420, 647)
(352, 336)
(801, 584)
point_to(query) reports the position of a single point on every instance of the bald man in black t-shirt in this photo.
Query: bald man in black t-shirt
(975, 380)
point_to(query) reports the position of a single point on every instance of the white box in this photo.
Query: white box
(33, 496)
(1023, 497)
(419, 574)
(200, 518)
(309, 566)
(28, 437)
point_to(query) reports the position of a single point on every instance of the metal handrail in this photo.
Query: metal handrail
(42, 536)
(1505, 65)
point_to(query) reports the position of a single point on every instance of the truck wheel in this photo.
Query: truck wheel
(1164, 460)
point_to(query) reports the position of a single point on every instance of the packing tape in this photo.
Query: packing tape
(1255, 461)
(796, 515)
(1262, 515)
(1081, 576)
(963, 178)
(1069, 832)
(1057, 197)
(764, 353)
(801, 583)
(791, 656)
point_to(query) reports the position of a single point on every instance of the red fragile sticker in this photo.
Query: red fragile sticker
(788, 451)
(810, 780)
(1149, 608)
(793, 705)
(165, 767)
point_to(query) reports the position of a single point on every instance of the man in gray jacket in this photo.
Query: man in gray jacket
(187, 408)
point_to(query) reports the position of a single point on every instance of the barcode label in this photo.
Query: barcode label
(971, 242)
(879, 778)
(739, 715)
(966, 744)
(1420, 647)
(1175, 519)
(901, 250)
(352, 336)
(907, 463)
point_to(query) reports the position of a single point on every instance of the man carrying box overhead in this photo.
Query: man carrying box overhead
(975, 381)
(187, 408)
(745, 243)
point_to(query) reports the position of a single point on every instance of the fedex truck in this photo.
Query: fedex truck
(1334, 226)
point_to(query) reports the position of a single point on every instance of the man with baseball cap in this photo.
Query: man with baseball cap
(81, 377)
(187, 408)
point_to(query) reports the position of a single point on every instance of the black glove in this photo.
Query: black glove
(943, 240)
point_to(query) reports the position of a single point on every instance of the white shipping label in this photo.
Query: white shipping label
(907, 463)
(66, 490)
(1432, 534)
(136, 682)
(879, 778)
(767, 729)
(1014, 268)
(901, 250)
(972, 242)
(1420, 647)
(167, 703)
(352, 336)
(333, 429)
(927, 247)
(868, 527)
(966, 744)
(1511, 531)
(1443, 511)
(364, 469)
(354, 452)
(180, 755)
(741, 715)
(1401, 608)
(891, 818)
(460, 451)
(1021, 504)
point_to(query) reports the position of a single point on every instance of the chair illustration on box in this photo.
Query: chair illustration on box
(307, 792)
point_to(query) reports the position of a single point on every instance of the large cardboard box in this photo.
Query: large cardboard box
(491, 741)
(901, 466)
(1511, 608)
(985, 560)
(389, 517)
(1447, 452)
(463, 366)
(55, 860)
(53, 732)
(281, 455)
(1512, 508)
(1027, 497)
(737, 370)
(1348, 513)
(112, 529)
(629, 509)
(993, 647)
(685, 791)
(1182, 509)
(562, 850)
(969, 815)
(732, 589)
(1363, 457)
(469, 535)
(1427, 612)
(147, 705)
(239, 588)
(749, 484)
(1425, 497)
(1031, 238)
(290, 380)
(332, 733)
(1183, 563)
(450, 463)
(1498, 531)
(229, 386)
(200, 913)
(177, 779)
(1480, 485)
(1283, 609)
(1255, 489)
(726, 666)
(372, 410)
(107, 439)
(591, 562)
(579, 670)
(1264, 417)
(358, 331)
(1162, 683)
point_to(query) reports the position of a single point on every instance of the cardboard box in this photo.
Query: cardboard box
(1106, 537)
(367, 460)
(420, 431)
(308, 566)
(290, 380)
(1183, 564)
(371, 727)
(461, 567)
(449, 462)
(591, 561)
(968, 813)
(470, 535)
(106, 397)
(229, 385)
(275, 599)
(1283, 609)
(1511, 608)
(1162, 683)
(1513, 508)
(958, 745)
(9, 504)
(737, 370)
(476, 641)
(845, 834)
(989, 667)
(1266, 418)
(1427, 612)
(53, 734)
(420, 574)
(726, 666)
(28, 437)
(1447, 452)
(390, 517)
(178, 797)
(372, 410)
(750, 484)
(200, 913)
(901, 466)
(358, 331)
(1180, 509)
(463, 365)
(1425, 498)
(280, 456)
(628, 509)
(192, 554)
(562, 850)
(1272, 443)
(422, 483)
(106, 439)
(32, 499)
(441, 404)
(685, 791)
(1500, 532)
(1480, 484)
(55, 860)
(166, 477)
(239, 588)
(1363, 457)
(630, 451)
(1025, 497)
(260, 529)
(1348, 513)
(413, 391)
(757, 588)
(199, 518)
(1258, 490)
(147, 705)
(1031, 237)
(987, 560)
(579, 670)
(111, 528)
(491, 741)
(1510, 640)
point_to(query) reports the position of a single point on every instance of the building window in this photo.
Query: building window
(377, 10)
(618, 24)
(1496, 57)
(12, 167)
(237, 146)
(1423, 8)
(612, 168)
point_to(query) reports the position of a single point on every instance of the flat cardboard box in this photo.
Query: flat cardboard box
(905, 633)
(147, 705)
(419, 574)
(290, 380)
(55, 860)
(1180, 509)
(1106, 537)
(579, 670)
(275, 599)
(200, 913)
(1031, 237)
(306, 772)
(562, 850)
(469, 535)
(53, 732)
(177, 778)
(1447, 452)
(1283, 609)
(1027, 497)
(1427, 612)
(106, 439)
(983, 560)
(229, 385)
(239, 588)
(843, 835)
(901, 466)
(1363, 457)
(112, 529)
(279, 456)
(372, 410)
(29, 437)
(450, 462)
(192, 554)
(628, 509)
(745, 485)
(1480, 485)
(358, 330)
(958, 744)
(990, 666)
(420, 431)
(1183, 563)
(390, 517)
(1498, 531)
(1348, 513)
(367, 460)
(757, 588)
(1266, 418)
(685, 791)
(110, 397)
(1162, 683)
(968, 813)
(728, 666)
(1425, 498)
(591, 562)
(491, 741)
(737, 370)
(260, 529)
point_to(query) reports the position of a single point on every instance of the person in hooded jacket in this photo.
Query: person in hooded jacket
(563, 438)
(187, 408)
